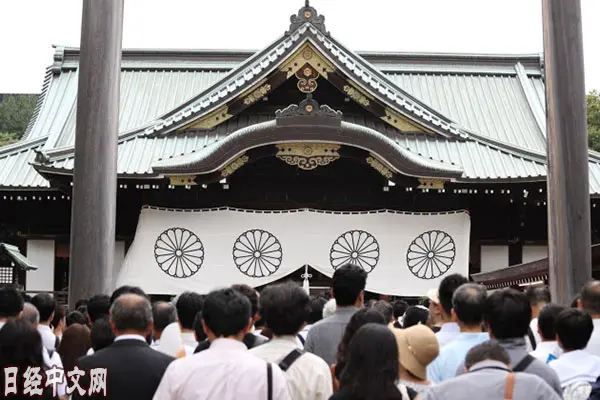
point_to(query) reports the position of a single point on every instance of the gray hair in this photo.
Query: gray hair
(329, 308)
(31, 314)
(468, 303)
(131, 312)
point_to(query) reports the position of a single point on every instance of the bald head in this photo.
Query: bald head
(589, 300)
(31, 314)
(131, 313)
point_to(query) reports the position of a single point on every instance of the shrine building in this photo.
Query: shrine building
(251, 167)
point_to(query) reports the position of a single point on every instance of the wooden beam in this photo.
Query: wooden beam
(93, 215)
(569, 231)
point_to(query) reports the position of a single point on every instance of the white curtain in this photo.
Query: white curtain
(200, 250)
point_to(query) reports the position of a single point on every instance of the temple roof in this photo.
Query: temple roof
(485, 113)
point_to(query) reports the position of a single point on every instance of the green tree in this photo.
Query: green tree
(15, 112)
(8, 138)
(593, 119)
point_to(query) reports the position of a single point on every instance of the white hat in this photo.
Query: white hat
(432, 295)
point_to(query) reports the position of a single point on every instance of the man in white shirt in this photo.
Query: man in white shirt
(226, 370)
(589, 301)
(46, 305)
(449, 330)
(547, 349)
(253, 338)
(538, 297)
(284, 308)
(51, 357)
(573, 330)
(188, 305)
(163, 314)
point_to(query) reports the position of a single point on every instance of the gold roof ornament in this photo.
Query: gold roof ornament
(379, 166)
(308, 156)
(431, 183)
(182, 180)
(234, 165)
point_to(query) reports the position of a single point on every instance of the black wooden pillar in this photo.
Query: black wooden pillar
(95, 178)
(568, 182)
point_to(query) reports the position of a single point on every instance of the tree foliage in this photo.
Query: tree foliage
(8, 138)
(593, 119)
(15, 112)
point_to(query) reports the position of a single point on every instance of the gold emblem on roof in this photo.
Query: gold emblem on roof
(308, 156)
(234, 165)
(379, 167)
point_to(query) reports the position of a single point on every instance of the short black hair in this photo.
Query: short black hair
(538, 295)
(76, 317)
(198, 328)
(385, 309)
(98, 306)
(101, 334)
(547, 320)
(45, 304)
(574, 329)
(188, 305)
(226, 312)
(125, 290)
(348, 282)
(251, 294)
(590, 297)
(163, 314)
(11, 302)
(315, 306)
(468, 303)
(415, 315)
(489, 350)
(131, 312)
(400, 307)
(284, 308)
(447, 288)
(80, 302)
(508, 314)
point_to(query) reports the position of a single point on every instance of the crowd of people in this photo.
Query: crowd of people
(460, 342)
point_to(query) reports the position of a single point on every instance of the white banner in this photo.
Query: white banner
(200, 250)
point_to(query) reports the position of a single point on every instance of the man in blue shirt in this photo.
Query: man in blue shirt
(450, 329)
(468, 304)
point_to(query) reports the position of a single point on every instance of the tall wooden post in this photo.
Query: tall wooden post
(93, 215)
(569, 231)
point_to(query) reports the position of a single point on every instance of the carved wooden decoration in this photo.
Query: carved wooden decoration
(402, 123)
(429, 183)
(307, 54)
(307, 79)
(308, 156)
(307, 14)
(356, 95)
(211, 120)
(380, 167)
(183, 180)
(257, 94)
(234, 165)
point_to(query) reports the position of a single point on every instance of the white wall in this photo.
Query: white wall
(534, 253)
(493, 258)
(42, 254)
